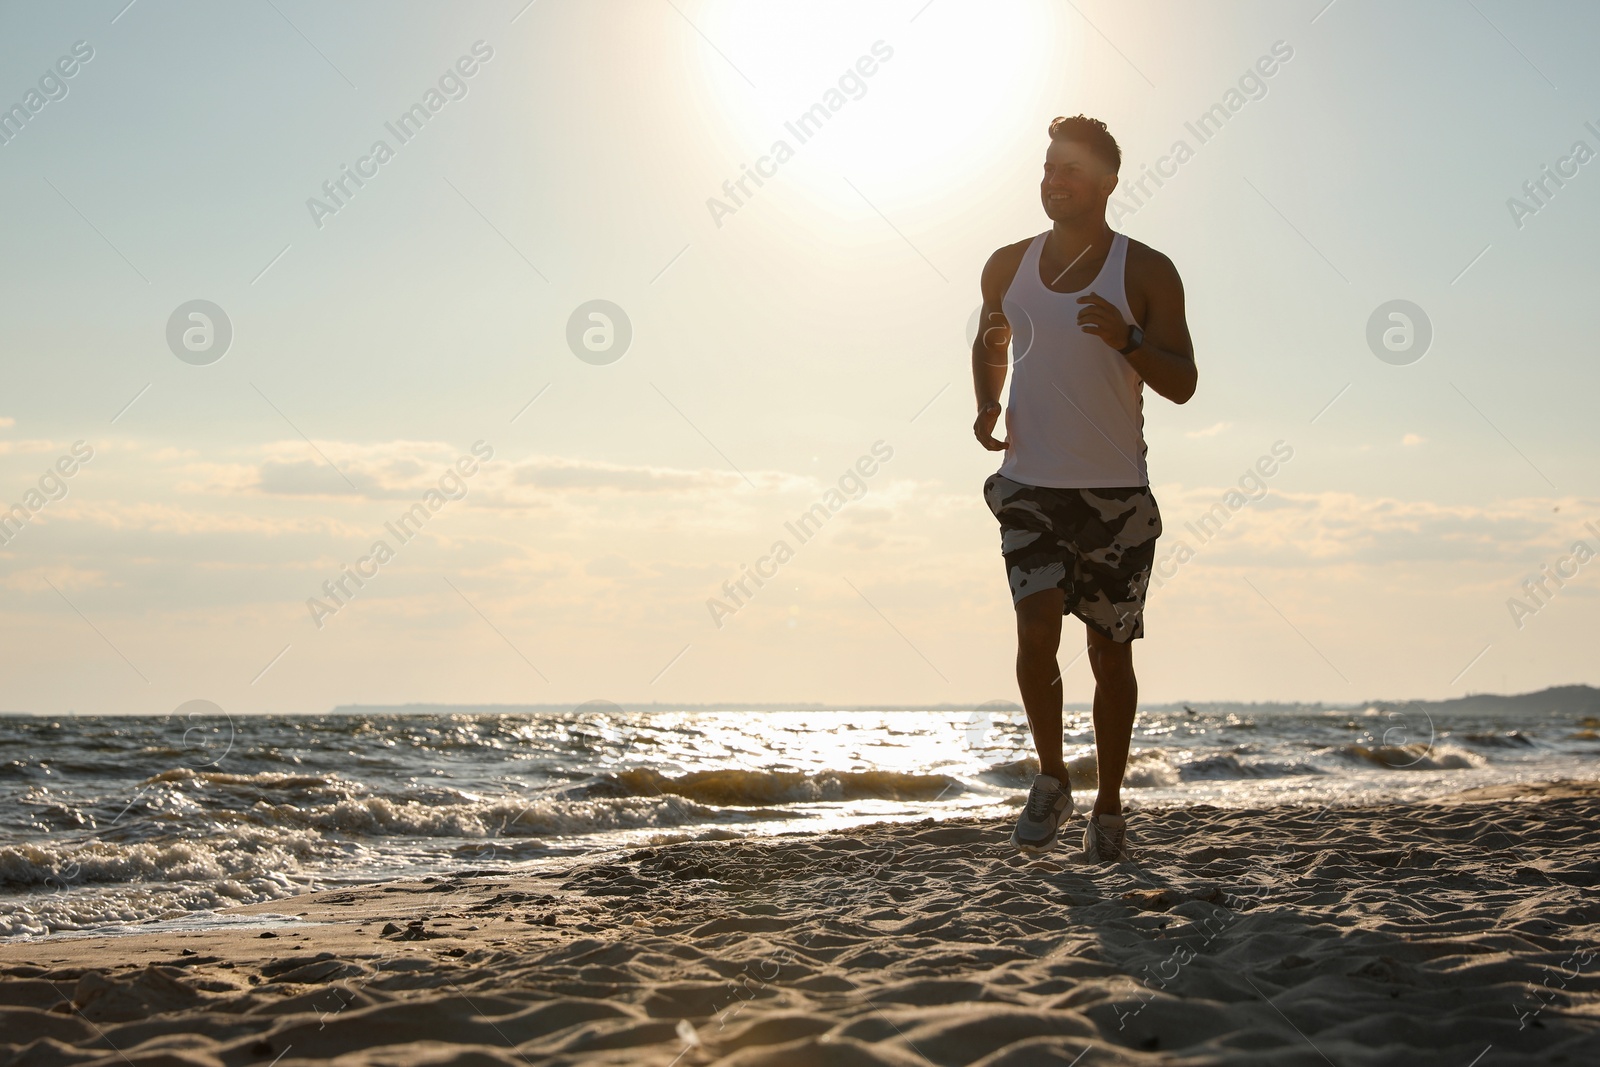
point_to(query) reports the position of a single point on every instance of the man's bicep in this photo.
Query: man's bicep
(993, 328)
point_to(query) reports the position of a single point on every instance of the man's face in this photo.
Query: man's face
(1075, 183)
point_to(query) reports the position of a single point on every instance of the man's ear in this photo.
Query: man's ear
(1112, 179)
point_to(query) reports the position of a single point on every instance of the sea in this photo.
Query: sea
(124, 824)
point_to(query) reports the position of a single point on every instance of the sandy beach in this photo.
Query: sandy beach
(1462, 931)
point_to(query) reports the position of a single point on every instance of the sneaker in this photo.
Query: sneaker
(1105, 839)
(1049, 801)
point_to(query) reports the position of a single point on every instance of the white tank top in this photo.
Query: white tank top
(1075, 418)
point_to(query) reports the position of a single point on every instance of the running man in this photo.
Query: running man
(1091, 318)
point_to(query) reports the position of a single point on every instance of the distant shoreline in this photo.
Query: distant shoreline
(1567, 699)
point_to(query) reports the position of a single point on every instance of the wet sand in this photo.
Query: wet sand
(1463, 931)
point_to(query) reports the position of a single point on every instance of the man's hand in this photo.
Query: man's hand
(983, 428)
(1104, 321)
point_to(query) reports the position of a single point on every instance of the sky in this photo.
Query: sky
(587, 483)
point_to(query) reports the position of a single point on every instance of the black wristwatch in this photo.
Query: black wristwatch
(1135, 339)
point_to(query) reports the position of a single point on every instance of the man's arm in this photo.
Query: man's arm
(989, 348)
(1166, 358)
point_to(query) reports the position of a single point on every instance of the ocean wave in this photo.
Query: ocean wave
(260, 780)
(1147, 769)
(742, 788)
(239, 866)
(1414, 757)
(712, 834)
(98, 909)
(1509, 739)
(542, 815)
(1224, 766)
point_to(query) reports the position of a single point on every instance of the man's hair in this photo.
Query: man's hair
(1089, 132)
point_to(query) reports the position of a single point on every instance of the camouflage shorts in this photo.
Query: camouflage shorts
(1096, 545)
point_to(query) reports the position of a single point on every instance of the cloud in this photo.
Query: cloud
(60, 576)
(399, 470)
(612, 566)
(171, 519)
(1303, 529)
(384, 470)
(1210, 431)
(556, 473)
(30, 446)
(280, 505)
(863, 540)
(305, 478)
(1412, 439)
(218, 478)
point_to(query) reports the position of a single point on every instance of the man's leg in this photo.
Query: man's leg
(1116, 697)
(1039, 678)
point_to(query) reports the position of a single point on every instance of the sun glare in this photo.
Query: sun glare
(812, 101)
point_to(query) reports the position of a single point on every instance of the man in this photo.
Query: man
(1091, 318)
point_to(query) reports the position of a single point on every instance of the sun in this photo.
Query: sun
(836, 103)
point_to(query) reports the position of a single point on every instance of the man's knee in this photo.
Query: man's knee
(1038, 640)
(1039, 624)
(1110, 660)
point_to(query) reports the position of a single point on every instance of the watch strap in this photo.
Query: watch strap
(1135, 340)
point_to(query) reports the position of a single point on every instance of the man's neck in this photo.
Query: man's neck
(1071, 237)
